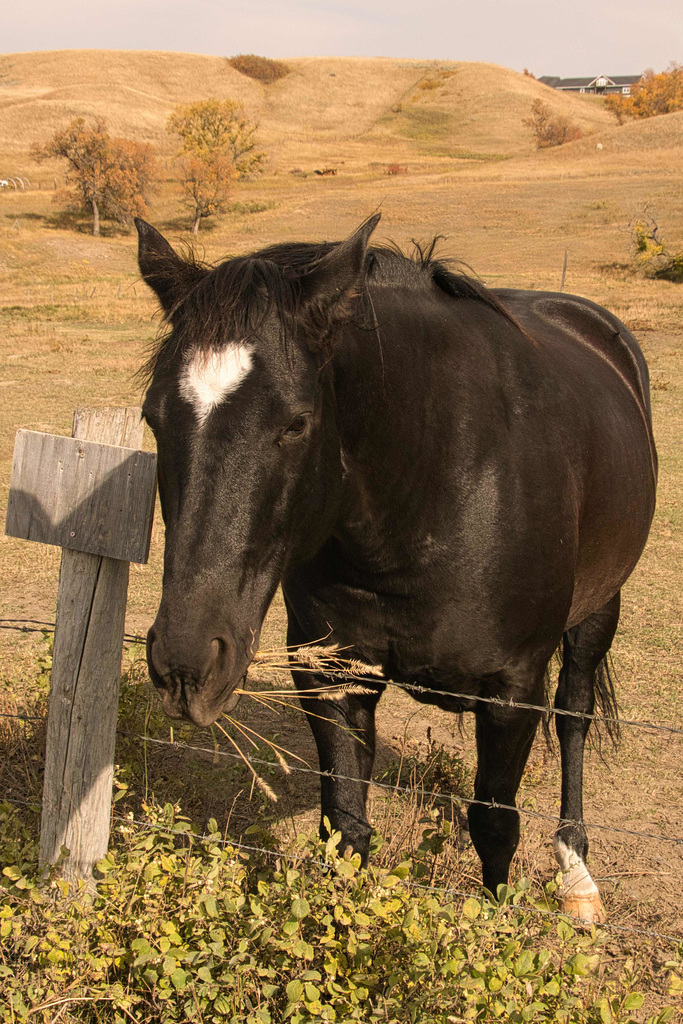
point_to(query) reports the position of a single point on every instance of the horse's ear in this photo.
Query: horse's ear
(166, 273)
(338, 277)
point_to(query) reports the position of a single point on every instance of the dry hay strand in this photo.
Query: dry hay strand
(256, 778)
(275, 747)
(248, 733)
(273, 701)
(314, 658)
(319, 660)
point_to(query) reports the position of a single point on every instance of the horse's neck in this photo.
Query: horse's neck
(388, 421)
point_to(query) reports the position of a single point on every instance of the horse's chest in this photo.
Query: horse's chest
(415, 636)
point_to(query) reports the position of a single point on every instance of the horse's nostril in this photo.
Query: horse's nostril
(220, 655)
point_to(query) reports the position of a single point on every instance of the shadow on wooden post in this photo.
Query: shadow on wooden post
(86, 666)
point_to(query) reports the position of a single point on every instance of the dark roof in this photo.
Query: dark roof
(569, 83)
(584, 83)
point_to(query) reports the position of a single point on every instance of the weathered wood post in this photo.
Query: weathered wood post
(93, 494)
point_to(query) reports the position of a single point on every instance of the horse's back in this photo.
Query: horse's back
(603, 395)
(559, 317)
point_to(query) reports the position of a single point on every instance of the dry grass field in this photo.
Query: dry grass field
(75, 320)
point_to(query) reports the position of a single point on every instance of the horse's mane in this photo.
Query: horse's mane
(234, 298)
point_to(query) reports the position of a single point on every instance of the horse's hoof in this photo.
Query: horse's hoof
(587, 909)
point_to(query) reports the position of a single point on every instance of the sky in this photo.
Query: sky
(573, 37)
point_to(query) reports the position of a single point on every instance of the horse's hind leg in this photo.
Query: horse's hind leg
(584, 648)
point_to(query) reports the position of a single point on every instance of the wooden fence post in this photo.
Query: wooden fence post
(97, 502)
(84, 688)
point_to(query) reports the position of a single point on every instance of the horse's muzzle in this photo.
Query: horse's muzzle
(194, 681)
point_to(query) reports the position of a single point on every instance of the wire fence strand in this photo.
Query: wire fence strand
(432, 794)
(395, 787)
(23, 717)
(38, 626)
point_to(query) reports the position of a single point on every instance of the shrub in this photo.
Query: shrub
(651, 253)
(440, 770)
(550, 129)
(653, 95)
(252, 206)
(263, 69)
(188, 928)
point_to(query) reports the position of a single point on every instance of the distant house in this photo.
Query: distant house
(602, 85)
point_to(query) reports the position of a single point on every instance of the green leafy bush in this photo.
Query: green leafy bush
(190, 928)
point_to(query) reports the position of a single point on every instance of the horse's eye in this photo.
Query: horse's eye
(298, 426)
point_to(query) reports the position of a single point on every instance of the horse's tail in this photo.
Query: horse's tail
(605, 703)
(606, 699)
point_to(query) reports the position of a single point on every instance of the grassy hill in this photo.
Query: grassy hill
(664, 132)
(326, 108)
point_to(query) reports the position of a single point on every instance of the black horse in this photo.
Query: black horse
(458, 481)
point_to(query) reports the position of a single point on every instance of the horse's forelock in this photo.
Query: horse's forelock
(229, 301)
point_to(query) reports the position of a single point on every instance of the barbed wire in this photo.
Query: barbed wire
(396, 787)
(131, 638)
(434, 794)
(32, 625)
(23, 717)
(40, 626)
(544, 708)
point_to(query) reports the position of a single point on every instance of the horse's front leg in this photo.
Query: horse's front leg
(504, 739)
(344, 731)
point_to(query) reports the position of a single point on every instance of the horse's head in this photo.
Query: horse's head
(241, 405)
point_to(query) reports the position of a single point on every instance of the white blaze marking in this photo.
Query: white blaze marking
(576, 879)
(209, 377)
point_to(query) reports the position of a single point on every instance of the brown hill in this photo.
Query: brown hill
(663, 132)
(326, 108)
(479, 107)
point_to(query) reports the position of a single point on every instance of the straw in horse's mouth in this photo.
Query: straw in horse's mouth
(322, 660)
